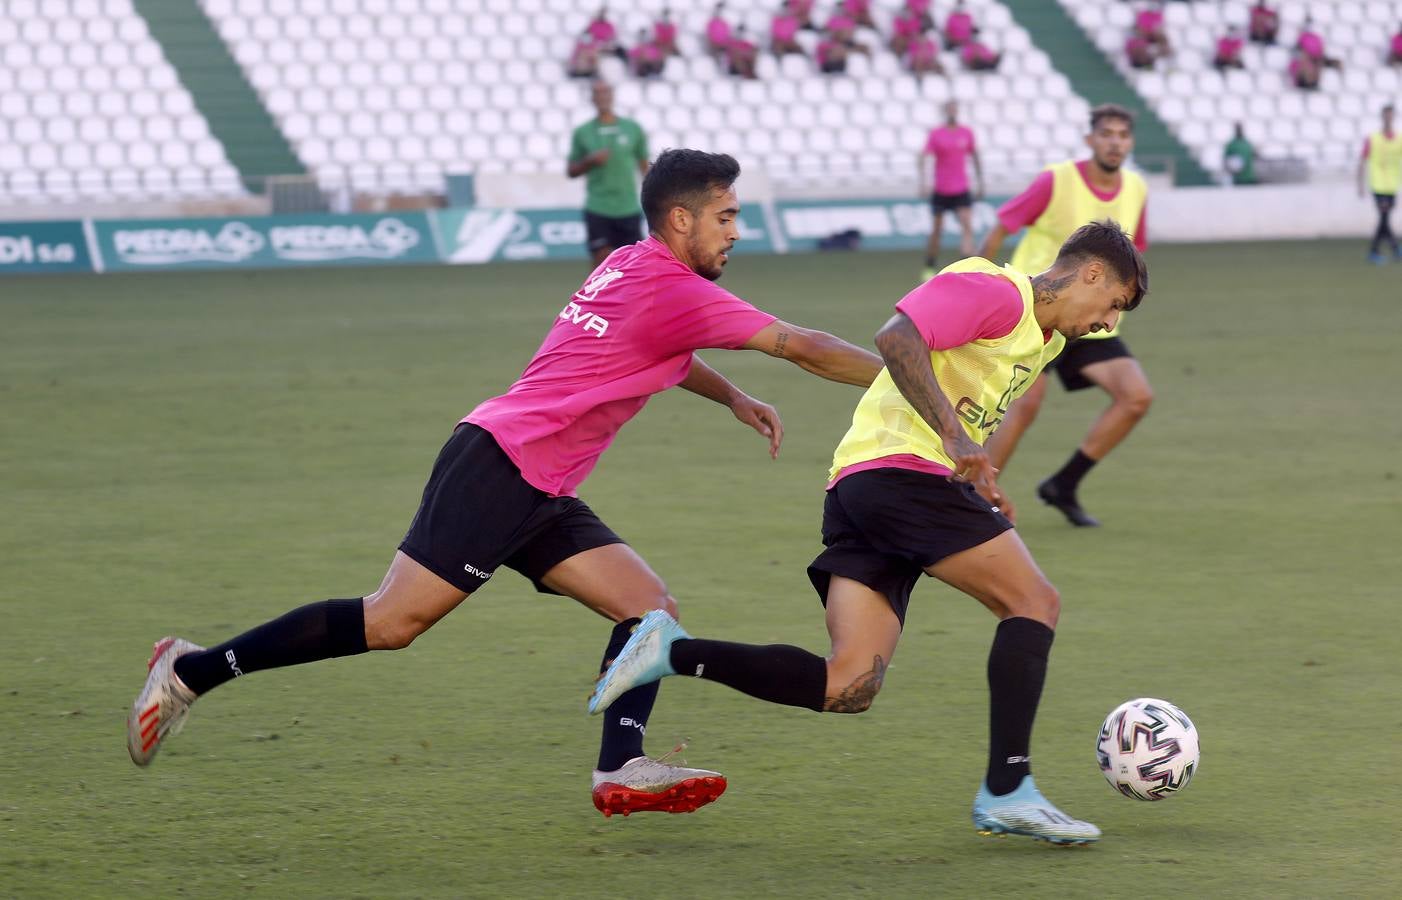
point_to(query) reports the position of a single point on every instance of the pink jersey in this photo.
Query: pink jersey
(1149, 21)
(952, 310)
(1027, 207)
(919, 7)
(601, 31)
(1312, 44)
(959, 27)
(922, 50)
(907, 24)
(664, 33)
(1229, 48)
(784, 27)
(627, 334)
(1397, 44)
(856, 8)
(975, 52)
(718, 32)
(951, 148)
(827, 49)
(840, 24)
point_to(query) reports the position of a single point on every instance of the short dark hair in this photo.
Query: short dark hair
(1111, 111)
(1107, 241)
(685, 178)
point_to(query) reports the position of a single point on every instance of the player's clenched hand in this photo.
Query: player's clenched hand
(971, 464)
(762, 418)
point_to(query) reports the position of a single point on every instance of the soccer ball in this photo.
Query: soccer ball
(1148, 749)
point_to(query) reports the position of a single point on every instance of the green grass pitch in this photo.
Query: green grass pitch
(196, 453)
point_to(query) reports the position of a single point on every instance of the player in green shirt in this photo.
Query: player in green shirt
(605, 150)
(1239, 157)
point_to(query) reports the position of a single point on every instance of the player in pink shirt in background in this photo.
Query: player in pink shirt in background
(503, 489)
(1148, 24)
(1263, 22)
(1229, 48)
(1312, 45)
(950, 146)
(783, 31)
(1394, 53)
(842, 29)
(646, 58)
(604, 34)
(978, 56)
(921, 9)
(831, 56)
(742, 54)
(958, 27)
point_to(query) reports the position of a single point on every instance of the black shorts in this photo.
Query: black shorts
(1081, 353)
(606, 231)
(884, 527)
(478, 513)
(1384, 202)
(951, 202)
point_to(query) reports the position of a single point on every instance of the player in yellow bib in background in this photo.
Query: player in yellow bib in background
(1061, 199)
(911, 493)
(1382, 163)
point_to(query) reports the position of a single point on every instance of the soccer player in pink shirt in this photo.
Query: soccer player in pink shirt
(503, 491)
(604, 34)
(664, 33)
(951, 146)
(646, 58)
(1312, 45)
(922, 56)
(859, 11)
(978, 56)
(1263, 23)
(1394, 53)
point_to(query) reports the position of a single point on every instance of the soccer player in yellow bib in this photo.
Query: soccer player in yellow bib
(911, 492)
(1382, 163)
(1060, 200)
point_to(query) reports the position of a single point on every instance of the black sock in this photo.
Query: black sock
(775, 672)
(308, 633)
(1069, 476)
(625, 722)
(1017, 666)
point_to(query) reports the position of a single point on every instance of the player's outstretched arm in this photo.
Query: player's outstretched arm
(907, 358)
(993, 241)
(706, 382)
(818, 352)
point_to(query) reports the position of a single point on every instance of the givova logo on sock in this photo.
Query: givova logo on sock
(233, 662)
(633, 723)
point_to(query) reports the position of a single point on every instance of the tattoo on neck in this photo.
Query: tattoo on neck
(1046, 289)
(858, 695)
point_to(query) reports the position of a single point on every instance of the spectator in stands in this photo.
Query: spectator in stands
(607, 149)
(664, 33)
(584, 58)
(1394, 53)
(978, 56)
(783, 31)
(803, 9)
(1239, 158)
(958, 27)
(859, 11)
(1304, 71)
(832, 56)
(1229, 48)
(646, 58)
(906, 27)
(605, 35)
(921, 9)
(1312, 43)
(922, 56)
(742, 54)
(718, 33)
(843, 29)
(1148, 24)
(1382, 165)
(1263, 24)
(1139, 51)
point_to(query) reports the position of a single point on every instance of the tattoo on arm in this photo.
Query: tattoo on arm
(909, 364)
(858, 695)
(780, 342)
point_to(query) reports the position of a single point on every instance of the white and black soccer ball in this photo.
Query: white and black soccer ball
(1148, 749)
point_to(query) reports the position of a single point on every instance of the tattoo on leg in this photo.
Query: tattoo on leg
(858, 695)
